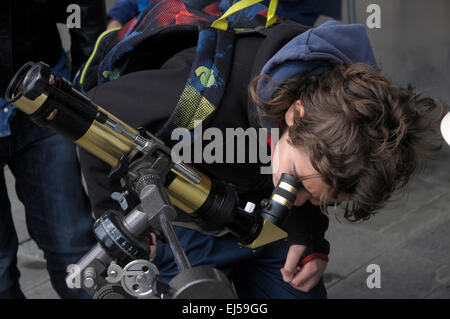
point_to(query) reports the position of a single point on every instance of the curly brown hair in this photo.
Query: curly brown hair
(364, 135)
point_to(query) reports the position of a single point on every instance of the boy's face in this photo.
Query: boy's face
(290, 159)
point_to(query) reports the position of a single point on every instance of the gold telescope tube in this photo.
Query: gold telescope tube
(51, 101)
(98, 139)
(107, 144)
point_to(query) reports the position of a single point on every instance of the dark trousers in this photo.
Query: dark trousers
(48, 183)
(255, 273)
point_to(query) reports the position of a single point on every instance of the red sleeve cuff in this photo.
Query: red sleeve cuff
(314, 256)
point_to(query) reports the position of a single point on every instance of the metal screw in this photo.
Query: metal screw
(89, 277)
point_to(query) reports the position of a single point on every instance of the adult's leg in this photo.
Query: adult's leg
(48, 182)
(9, 274)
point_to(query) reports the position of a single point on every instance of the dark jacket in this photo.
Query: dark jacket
(28, 32)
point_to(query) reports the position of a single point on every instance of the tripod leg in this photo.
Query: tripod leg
(178, 252)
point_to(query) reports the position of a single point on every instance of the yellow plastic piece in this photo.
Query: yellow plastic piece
(222, 23)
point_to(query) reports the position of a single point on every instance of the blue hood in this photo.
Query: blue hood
(315, 51)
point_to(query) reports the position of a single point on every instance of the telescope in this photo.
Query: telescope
(118, 265)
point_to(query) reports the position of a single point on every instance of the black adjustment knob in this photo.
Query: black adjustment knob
(265, 203)
(160, 287)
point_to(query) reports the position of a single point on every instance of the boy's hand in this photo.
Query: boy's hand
(153, 247)
(302, 278)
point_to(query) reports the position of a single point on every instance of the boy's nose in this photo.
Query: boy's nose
(301, 198)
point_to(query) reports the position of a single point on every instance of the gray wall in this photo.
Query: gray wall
(413, 43)
(110, 3)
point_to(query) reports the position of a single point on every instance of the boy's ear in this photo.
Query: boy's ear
(297, 106)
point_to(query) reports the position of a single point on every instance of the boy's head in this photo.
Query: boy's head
(355, 133)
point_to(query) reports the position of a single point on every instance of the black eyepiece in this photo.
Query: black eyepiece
(277, 208)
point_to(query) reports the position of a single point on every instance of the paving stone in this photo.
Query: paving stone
(330, 278)
(10, 182)
(438, 171)
(442, 292)
(43, 291)
(30, 251)
(415, 201)
(443, 274)
(352, 247)
(403, 275)
(433, 244)
(20, 224)
(423, 217)
(33, 273)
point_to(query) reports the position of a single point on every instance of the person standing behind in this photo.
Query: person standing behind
(44, 164)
